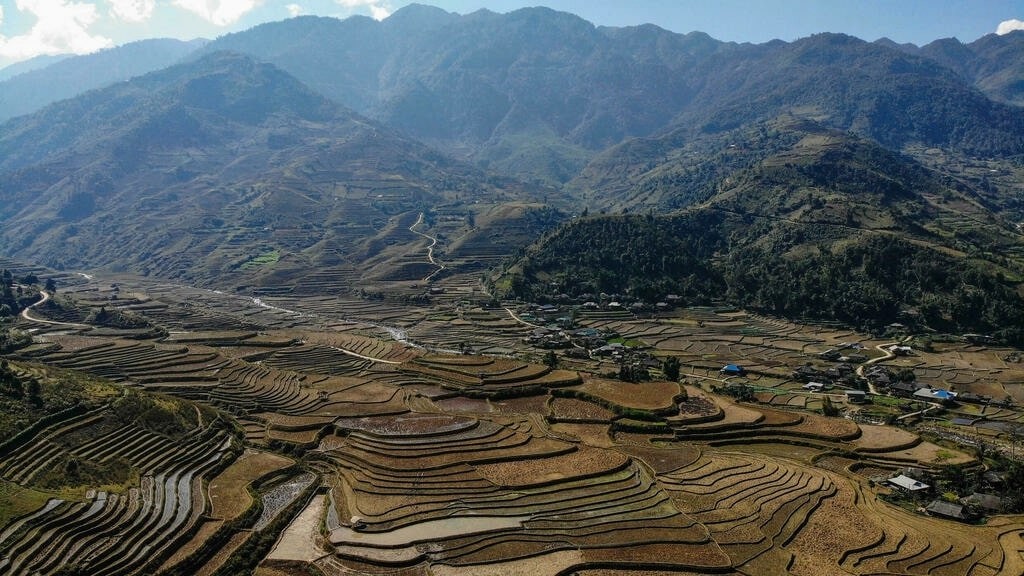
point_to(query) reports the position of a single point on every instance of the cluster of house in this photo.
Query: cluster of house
(843, 372)
(912, 482)
(617, 302)
(836, 355)
(554, 337)
(883, 379)
(591, 343)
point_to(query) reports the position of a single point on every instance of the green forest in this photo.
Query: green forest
(867, 282)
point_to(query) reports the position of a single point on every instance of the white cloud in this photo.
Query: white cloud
(132, 10)
(295, 10)
(1007, 26)
(61, 26)
(218, 12)
(379, 9)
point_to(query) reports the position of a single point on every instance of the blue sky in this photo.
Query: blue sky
(33, 27)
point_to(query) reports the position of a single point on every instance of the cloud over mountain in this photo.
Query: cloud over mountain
(1007, 26)
(61, 26)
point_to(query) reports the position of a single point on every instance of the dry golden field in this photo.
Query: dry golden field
(428, 461)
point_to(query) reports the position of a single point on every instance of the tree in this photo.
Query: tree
(1016, 431)
(550, 359)
(828, 408)
(34, 392)
(671, 368)
(51, 286)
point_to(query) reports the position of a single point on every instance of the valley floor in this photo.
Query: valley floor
(372, 436)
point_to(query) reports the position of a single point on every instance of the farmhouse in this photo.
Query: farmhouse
(807, 373)
(935, 395)
(842, 369)
(856, 396)
(732, 370)
(878, 375)
(948, 510)
(987, 502)
(902, 389)
(974, 398)
(612, 349)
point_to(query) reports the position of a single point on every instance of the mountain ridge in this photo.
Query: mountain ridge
(206, 153)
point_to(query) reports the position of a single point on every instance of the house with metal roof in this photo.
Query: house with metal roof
(907, 483)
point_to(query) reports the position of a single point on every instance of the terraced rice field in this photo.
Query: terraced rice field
(114, 533)
(373, 446)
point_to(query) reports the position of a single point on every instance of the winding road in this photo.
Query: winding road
(46, 296)
(430, 249)
(886, 355)
(520, 320)
(889, 355)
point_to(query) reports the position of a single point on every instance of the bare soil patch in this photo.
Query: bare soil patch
(876, 438)
(643, 395)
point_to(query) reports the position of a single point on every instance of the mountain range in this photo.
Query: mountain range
(317, 148)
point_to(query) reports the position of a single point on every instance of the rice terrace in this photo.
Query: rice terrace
(372, 287)
(217, 433)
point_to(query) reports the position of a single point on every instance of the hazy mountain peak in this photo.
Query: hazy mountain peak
(31, 64)
(420, 15)
(31, 91)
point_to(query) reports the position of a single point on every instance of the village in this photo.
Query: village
(867, 382)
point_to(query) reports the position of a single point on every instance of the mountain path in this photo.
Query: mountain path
(430, 249)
